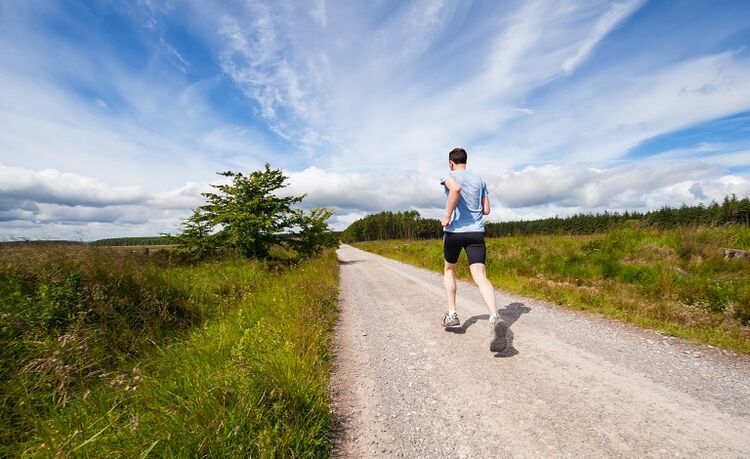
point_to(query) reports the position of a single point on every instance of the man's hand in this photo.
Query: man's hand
(445, 221)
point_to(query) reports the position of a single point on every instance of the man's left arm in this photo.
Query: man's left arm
(454, 193)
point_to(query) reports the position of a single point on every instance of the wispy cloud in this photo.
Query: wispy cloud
(616, 14)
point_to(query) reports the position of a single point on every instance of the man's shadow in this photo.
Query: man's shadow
(509, 314)
(350, 262)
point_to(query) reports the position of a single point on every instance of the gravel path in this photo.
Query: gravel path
(571, 384)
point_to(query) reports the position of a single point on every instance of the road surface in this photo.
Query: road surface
(570, 385)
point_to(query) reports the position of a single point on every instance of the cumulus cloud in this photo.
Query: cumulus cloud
(364, 192)
(532, 192)
(81, 206)
(54, 187)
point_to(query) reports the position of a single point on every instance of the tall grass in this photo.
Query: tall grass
(107, 354)
(675, 281)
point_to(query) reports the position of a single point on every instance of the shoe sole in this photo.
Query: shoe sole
(500, 340)
(452, 325)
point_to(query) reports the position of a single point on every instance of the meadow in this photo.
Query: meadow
(109, 353)
(675, 281)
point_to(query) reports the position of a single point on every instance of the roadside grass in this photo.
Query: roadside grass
(674, 281)
(132, 358)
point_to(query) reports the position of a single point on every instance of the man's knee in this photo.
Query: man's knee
(449, 267)
(477, 271)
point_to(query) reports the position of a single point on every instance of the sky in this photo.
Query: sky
(116, 115)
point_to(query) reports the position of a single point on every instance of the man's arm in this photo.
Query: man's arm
(486, 206)
(454, 192)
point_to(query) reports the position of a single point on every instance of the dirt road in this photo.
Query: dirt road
(571, 385)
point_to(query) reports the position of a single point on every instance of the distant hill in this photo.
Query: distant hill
(126, 241)
(42, 242)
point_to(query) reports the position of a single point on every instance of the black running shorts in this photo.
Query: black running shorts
(473, 243)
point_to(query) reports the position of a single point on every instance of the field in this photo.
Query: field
(675, 281)
(108, 353)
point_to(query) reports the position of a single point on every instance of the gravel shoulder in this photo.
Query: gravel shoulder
(571, 384)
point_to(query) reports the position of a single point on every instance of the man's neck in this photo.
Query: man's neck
(459, 167)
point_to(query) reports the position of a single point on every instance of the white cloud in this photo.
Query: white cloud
(534, 192)
(55, 187)
(604, 116)
(616, 14)
(319, 13)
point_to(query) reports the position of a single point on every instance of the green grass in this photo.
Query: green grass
(128, 358)
(674, 281)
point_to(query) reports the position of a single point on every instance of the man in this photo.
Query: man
(466, 204)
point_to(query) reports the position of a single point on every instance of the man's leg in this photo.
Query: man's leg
(449, 280)
(479, 275)
(451, 250)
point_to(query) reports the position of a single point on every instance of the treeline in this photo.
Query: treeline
(392, 225)
(409, 225)
(124, 241)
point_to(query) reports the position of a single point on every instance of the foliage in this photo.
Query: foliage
(105, 353)
(313, 234)
(69, 314)
(409, 225)
(675, 280)
(250, 216)
(390, 225)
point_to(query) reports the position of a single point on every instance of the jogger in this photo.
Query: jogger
(467, 201)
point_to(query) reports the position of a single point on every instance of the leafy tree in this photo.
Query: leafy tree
(251, 216)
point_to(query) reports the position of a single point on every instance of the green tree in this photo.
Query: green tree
(250, 215)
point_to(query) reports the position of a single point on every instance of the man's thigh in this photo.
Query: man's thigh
(476, 250)
(451, 247)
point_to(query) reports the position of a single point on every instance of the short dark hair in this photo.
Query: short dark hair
(457, 155)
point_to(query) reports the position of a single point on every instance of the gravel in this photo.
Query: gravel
(570, 384)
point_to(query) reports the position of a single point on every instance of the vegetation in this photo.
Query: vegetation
(675, 281)
(251, 217)
(390, 225)
(409, 225)
(107, 353)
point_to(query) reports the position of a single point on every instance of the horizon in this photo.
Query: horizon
(115, 117)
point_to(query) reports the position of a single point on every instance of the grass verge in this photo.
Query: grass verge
(222, 359)
(673, 281)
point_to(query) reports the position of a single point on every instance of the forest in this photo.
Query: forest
(410, 225)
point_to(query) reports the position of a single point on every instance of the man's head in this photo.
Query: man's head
(456, 157)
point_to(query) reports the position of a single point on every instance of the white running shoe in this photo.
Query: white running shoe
(499, 332)
(450, 320)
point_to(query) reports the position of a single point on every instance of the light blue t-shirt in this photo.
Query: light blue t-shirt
(467, 217)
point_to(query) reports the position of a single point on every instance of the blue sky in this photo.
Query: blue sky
(114, 116)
